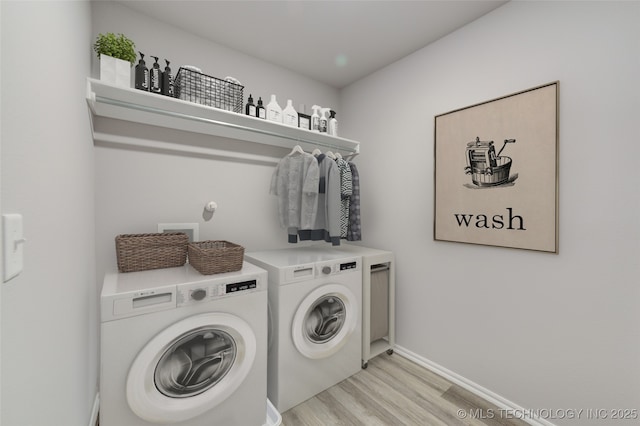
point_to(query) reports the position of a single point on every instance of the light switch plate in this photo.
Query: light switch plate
(13, 245)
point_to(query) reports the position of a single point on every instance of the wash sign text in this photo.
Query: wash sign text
(508, 221)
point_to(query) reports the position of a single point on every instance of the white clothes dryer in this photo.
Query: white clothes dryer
(182, 348)
(315, 326)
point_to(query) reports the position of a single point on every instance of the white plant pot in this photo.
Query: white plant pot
(115, 71)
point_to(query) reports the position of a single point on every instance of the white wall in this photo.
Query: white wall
(542, 330)
(49, 346)
(136, 190)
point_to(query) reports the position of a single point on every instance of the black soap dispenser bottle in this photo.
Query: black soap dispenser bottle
(142, 74)
(260, 111)
(250, 109)
(156, 77)
(167, 81)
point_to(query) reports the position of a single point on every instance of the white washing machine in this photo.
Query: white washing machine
(183, 348)
(315, 333)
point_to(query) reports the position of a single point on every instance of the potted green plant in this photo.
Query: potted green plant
(117, 54)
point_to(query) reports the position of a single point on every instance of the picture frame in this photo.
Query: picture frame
(496, 172)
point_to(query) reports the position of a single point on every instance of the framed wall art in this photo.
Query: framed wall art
(496, 172)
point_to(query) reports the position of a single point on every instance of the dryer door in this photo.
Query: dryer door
(190, 367)
(324, 321)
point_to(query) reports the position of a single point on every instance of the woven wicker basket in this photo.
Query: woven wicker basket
(140, 252)
(215, 257)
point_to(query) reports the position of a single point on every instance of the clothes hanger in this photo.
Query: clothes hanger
(330, 155)
(350, 156)
(296, 150)
(338, 156)
(316, 152)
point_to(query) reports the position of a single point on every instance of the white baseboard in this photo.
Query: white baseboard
(93, 420)
(499, 401)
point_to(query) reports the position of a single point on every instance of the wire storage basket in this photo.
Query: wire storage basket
(141, 252)
(194, 86)
(215, 257)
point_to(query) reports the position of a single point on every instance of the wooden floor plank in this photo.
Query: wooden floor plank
(356, 407)
(398, 408)
(312, 412)
(394, 391)
(416, 383)
(492, 415)
(399, 362)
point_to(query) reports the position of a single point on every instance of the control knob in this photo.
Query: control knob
(198, 294)
(326, 270)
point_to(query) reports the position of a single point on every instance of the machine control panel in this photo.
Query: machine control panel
(348, 265)
(198, 293)
(242, 286)
(336, 267)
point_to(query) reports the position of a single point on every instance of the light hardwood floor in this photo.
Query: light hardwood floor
(394, 391)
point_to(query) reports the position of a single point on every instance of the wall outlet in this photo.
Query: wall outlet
(191, 229)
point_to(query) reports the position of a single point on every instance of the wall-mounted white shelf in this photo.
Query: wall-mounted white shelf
(128, 104)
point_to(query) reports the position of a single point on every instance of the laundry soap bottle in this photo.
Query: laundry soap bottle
(142, 74)
(332, 129)
(261, 112)
(322, 127)
(289, 115)
(167, 81)
(156, 77)
(250, 109)
(315, 118)
(274, 112)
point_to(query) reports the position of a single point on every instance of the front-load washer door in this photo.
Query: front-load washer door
(324, 321)
(190, 367)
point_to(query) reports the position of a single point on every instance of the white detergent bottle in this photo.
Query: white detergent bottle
(322, 127)
(290, 115)
(274, 112)
(315, 118)
(333, 124)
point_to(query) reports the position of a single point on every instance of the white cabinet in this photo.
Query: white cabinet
(378, 300)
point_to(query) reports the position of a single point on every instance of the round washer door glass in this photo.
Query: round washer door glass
(195, 362)
(324, 321)
(190, 367)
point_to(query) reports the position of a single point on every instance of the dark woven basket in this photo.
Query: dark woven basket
(194, 86)
(140, 252)
(215, 257)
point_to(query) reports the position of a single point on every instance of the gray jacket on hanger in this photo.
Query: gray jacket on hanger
(327, 222)
(295, 181)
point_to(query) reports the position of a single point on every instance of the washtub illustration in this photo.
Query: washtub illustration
(488, 169)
